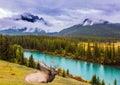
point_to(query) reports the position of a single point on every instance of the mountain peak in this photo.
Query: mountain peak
(101, 21)
(29, 17)
(42, 19)
(89, 22)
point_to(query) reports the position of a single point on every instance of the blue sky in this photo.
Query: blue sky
(64, 12)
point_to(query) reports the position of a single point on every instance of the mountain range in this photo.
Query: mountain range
(27, 23)
(93, 29)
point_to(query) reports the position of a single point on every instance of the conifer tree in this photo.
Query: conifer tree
(31, 62)
(1, 42)
(94, 79)
(96, 50)
(98, 81)
(64, 73)
(38, 66)
(67, 71)
(89, 54)
(103, 83)
(5, 49)
(115, 82)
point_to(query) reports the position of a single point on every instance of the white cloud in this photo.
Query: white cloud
(63, 13)
(84, 11)
(5, 13)
(69, 18)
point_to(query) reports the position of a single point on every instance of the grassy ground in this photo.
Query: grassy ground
(13, 74)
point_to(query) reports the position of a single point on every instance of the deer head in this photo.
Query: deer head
(52, 72)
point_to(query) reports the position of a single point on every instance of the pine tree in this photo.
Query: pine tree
(98, 81)
(110, 52)
(89, 54)
(25, 61)
(31, 62)
(22, 60)
(115, 82)
(64, 73)
(103, 83)
(114, 53)
(67, 71)
(94, 79)
(96, 51)
(5, 49)
(1, 42)
(38, 66)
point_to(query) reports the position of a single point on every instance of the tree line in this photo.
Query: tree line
(94, 50)
(15, 53)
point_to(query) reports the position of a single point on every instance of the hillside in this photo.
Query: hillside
(96, 30)
(13, 74)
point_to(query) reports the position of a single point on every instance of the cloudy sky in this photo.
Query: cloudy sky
(64, 13)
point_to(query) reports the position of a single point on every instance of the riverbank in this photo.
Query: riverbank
(78, 68)
(71, 57)
(14, 74)
(79, 78)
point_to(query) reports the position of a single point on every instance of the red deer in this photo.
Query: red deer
(46, 75)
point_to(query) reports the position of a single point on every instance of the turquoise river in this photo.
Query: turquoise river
(79, 68)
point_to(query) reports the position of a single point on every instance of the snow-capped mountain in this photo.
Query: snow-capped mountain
(93, 28)
(89, 22)
(31, 22)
